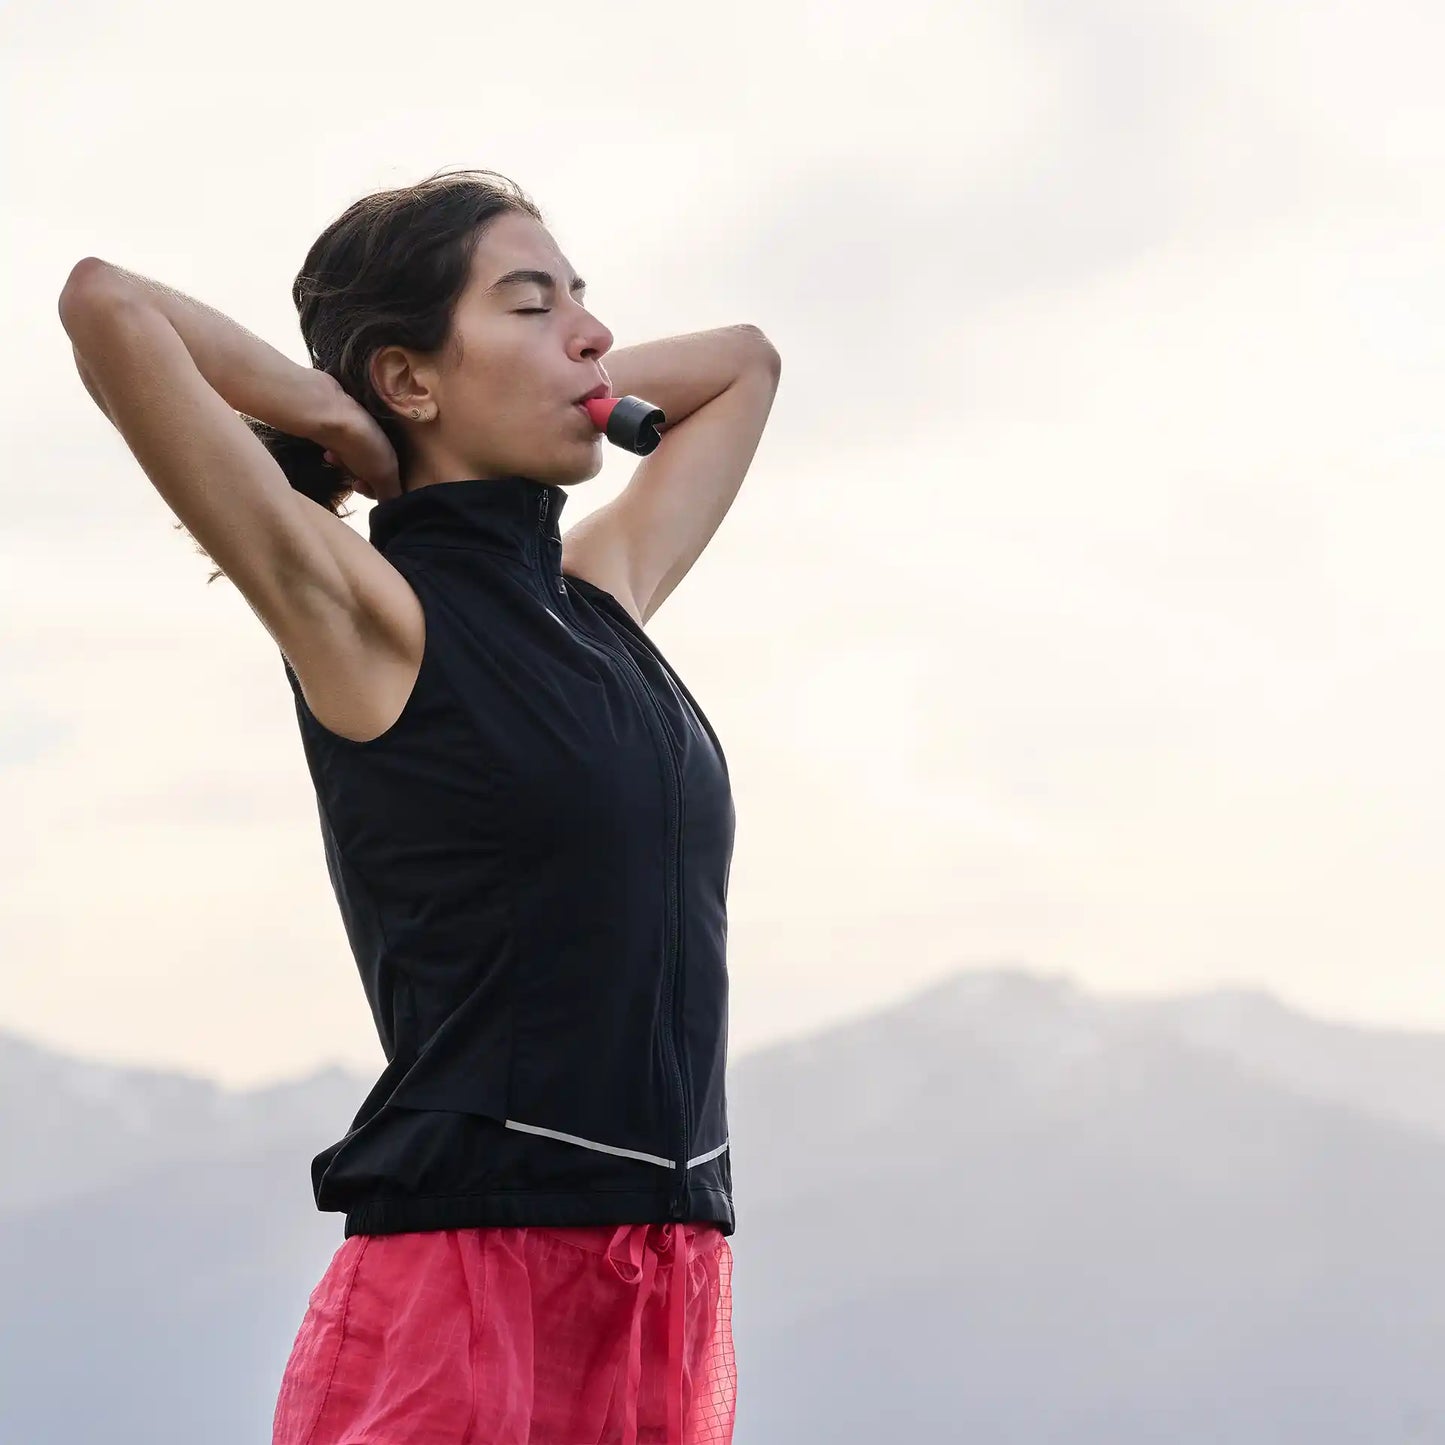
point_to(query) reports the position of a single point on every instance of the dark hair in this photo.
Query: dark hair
(386, 272)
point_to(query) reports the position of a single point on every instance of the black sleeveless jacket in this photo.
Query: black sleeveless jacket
(532, 867)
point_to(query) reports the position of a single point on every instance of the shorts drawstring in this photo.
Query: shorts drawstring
(633, 1253)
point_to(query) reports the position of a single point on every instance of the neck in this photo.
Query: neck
(515, 516)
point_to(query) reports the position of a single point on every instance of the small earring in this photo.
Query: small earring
(415, 413)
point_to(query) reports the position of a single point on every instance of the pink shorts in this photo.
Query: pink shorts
(590, 1335)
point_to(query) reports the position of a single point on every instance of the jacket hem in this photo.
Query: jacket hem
(517, 1207)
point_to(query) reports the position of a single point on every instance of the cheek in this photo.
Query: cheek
(488, 391)
(493, 352)
(506, 375)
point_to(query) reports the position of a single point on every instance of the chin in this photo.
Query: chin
(566, 472)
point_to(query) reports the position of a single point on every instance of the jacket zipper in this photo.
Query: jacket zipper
(672, 1002)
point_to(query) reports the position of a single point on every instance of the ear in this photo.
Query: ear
(397, 380)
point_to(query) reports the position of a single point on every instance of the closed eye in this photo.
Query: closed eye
(534, 311)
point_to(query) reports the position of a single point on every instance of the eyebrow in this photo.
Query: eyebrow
(544, 279)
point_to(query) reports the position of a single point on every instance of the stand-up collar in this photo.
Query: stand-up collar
(514, 515)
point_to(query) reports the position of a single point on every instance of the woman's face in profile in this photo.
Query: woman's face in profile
(522, 352)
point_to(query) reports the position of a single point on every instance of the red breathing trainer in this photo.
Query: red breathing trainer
(627, 422)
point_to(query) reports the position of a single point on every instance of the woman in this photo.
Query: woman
(526, 817)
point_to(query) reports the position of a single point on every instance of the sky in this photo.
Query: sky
(1082, 610)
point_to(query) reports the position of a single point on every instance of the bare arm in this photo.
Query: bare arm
(249, 374)
(320, 588)
(682, 373)
(89, 383)
(717, 388)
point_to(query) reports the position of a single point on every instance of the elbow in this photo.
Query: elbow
(766, 351)
(84, 271)
(87, 276)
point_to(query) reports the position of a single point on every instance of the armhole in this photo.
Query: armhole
(310, 721)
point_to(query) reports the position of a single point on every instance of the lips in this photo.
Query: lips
(600, 390)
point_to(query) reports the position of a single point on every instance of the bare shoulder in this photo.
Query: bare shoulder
(356, 656)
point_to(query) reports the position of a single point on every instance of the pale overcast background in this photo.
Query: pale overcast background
(1082, 609)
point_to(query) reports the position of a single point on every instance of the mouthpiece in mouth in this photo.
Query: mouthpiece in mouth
(627, 421)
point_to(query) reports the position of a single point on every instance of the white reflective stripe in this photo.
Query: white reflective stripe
(610, 1148)
(591, 1144)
